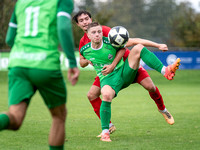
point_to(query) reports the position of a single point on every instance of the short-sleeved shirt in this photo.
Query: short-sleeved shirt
(101, 57)
(36, 42)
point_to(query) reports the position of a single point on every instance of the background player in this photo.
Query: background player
(99, 52)
(33, 33)
(82, 19)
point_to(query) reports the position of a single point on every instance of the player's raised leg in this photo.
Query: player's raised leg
(152, 61)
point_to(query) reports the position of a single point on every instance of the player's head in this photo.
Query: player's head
(82, 19)
(94, 32)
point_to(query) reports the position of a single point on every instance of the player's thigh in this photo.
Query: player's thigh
(141, 75)
(148, 84)
(20, 87)
(17, 113)
(134, 56)
(51, 86)
(128, 74)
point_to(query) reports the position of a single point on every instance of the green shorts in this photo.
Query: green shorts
(120, 78)
(23, 83)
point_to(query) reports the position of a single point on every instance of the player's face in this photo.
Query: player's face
(95, 34)
(83, 21)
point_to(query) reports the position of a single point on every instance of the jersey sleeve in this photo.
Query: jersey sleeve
(126, 54)
(81, 44)
(105, 30)
(12, 30)
(66, 6)
(64, 28)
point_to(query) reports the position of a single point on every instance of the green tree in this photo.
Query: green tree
(6, 9)
(157, 17)
(185, 30)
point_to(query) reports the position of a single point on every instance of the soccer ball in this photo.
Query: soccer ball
(118, 36)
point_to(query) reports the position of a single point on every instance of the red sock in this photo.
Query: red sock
(157, 97)
(96, 104)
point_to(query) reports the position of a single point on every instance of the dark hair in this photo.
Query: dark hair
(75, 18)
(93, 24)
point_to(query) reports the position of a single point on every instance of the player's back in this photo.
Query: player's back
(36, 21)
(36, 38)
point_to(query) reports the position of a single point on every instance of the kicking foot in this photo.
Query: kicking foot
(171, 69)
(168, 117)
(105, 137)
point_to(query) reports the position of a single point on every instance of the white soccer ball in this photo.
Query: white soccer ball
(118, 36)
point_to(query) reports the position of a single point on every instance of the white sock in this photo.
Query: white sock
(105, 131)
(164, 110)
(110, 125)
(163, 70)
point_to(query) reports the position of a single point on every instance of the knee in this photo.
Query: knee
(15, 122)
(136, 50)
(151, 87)
(59, 114)
(91, 95)
(107, 97)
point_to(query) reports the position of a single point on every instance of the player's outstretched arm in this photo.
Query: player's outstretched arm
(147, 43)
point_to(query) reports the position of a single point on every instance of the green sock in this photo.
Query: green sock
(105, 114)
(151, 60)
(4, 121)
(56, 147)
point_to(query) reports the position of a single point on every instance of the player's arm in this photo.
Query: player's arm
(65, 35)
(12, 30)
(84, 62)
(148, 43)
(109, 68)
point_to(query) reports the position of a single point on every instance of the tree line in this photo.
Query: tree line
(177, 25)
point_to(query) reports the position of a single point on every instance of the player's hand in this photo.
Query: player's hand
(89, 62)
(107, 69)
(73, 74)
(163, 47)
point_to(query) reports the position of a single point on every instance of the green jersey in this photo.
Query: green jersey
(36, 42)
(100, 57)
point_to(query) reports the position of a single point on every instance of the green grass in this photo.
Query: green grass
(139, 125)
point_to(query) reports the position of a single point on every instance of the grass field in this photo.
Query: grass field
(139, 125)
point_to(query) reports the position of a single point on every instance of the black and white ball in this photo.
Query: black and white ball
(118, 36)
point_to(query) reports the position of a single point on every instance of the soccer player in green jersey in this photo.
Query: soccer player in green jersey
(35, 28)
(100, 52)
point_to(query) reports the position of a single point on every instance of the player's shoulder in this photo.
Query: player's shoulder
(85, 47)
(105, 30)
(105, 40)
(84, 38)
(105, 27)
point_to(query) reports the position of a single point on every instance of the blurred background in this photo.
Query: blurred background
(173, 22)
